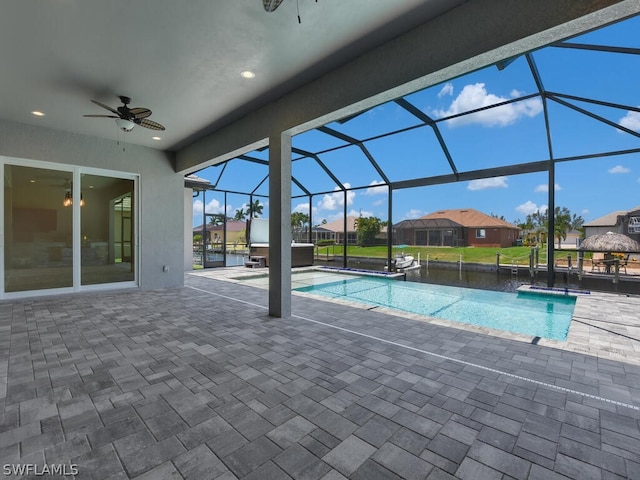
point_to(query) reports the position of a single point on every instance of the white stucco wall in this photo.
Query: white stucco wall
(161, 189)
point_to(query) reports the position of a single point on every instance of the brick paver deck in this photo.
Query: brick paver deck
(199, 383)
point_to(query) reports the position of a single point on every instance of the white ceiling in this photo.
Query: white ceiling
(181, 59)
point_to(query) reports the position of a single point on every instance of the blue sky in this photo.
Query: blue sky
(510, 134)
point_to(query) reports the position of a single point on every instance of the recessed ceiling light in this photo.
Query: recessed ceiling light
(247, 74)
(32, 181)
(37, 113)
(156, 138)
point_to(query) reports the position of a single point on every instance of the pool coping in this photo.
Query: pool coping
(554, 291)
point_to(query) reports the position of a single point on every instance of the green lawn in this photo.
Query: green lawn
(517, 255)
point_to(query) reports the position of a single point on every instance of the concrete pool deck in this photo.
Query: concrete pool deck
(605, 325)
(200, 383)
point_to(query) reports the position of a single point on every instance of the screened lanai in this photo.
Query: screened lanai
(558, 126)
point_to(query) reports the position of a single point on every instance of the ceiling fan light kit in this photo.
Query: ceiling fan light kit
(124, 124)
(126, 118)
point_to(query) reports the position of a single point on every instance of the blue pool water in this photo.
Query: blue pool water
(535, 315)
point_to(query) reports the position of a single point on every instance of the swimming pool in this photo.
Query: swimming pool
(535, 315)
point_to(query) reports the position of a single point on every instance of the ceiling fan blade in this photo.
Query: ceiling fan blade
(101, 116)
(140, 112)
(105, 106)
(148, 124)
(271, 5)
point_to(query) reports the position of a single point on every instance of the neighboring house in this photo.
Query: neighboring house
(215, 233)
(620, 221)
(572, 240)
(456, 228)
(335, 231)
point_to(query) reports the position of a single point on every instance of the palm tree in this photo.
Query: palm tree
(216, 220)
(240, 214)
(299, 223)
(254, 210)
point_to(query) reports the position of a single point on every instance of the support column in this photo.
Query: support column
(551, 224)
(389, 229)
(280, 225)
(344, 228)
(310, 239)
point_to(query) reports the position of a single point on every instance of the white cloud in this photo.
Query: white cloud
(413, 214)
(631, 121)
(529, 207)
(359, 213)
(214, 206)
(585, 211)
(476, 96)
(484, 183)
(376, 187)
(543, 187)
(447, 89)
(333, 217)
(332, 201)
(377, 203)
(619, 169)
(303, 208)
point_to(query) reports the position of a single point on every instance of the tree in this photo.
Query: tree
(564, 222)
(216, 219)
(536, 222)
(367, 228)
(254, 210)
(240, 214)
(299, 221)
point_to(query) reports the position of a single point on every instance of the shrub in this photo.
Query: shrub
(325, 243)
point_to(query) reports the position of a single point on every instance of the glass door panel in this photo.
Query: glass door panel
(107, 223)
(38, 225)
(217, 242)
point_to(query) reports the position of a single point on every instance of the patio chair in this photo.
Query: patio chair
(597, 261)
(623, 263)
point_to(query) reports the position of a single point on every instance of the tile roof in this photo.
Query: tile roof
(610, 219)
(468, 217)
(338, 225)
(232, 226)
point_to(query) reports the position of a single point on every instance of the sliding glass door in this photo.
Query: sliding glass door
(107, 222)
(67, 228)
(38, 228)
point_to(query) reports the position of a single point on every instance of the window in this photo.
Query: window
(481, 233)
(634, 225)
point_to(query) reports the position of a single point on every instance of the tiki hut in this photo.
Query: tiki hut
(610, 242)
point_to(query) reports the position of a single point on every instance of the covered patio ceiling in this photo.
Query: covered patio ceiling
(542, 103)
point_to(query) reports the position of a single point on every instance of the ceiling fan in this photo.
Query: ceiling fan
(127, 118)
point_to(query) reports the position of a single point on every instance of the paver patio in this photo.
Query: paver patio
(200, 383)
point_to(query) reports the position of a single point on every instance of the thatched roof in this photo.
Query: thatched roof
(610, 242)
